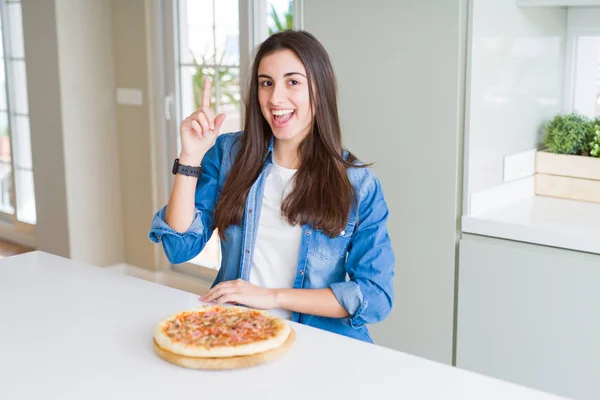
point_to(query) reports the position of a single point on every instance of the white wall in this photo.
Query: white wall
(400, 70)
(516, 79)
(134, 55)
(584, 18)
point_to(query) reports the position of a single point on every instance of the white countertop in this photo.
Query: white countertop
(567, 224)
(72, 331)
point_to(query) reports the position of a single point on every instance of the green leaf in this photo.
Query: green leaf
(276, 20)
(595, 144)
(569, 134)
(288, 18)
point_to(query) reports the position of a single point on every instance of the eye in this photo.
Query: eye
(294, 82)
(265, 83)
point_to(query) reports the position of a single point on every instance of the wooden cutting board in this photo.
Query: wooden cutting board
(225, 363)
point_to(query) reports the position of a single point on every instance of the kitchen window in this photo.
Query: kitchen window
(582, 69)
(586, 76)
(209, 38)
(17, 198)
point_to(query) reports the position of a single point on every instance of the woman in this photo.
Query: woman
(295, 212)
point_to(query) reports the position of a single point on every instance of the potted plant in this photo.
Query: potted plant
(569, 167)
(595, 144)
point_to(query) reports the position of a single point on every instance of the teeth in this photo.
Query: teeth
(282, 112)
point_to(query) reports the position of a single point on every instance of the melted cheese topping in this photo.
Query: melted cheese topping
(220, 331)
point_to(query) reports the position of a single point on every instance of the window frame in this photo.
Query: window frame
(249, 37)
(578, 25)
(11, 222)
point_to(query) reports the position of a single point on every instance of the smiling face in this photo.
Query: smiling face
(283, 95)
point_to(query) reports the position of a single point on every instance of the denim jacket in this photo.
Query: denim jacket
(358, 264)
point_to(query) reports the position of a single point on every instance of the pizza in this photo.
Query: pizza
(215, 331)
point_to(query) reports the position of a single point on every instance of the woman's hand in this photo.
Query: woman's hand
(200, 130)
(242, 292)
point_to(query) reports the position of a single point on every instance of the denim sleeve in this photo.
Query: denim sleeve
(369, 294)
(180, 247)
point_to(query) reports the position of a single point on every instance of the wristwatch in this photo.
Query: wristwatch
(185, 169)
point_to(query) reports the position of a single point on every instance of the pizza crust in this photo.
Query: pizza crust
(226, 363)
(166, 343)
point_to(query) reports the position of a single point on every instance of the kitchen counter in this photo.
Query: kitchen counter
(74, 331)
(562, 223)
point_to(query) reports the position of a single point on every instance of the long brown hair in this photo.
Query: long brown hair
(322, 196)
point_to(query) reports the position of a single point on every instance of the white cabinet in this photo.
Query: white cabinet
(530, 314)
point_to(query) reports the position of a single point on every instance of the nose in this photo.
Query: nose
(278, 94)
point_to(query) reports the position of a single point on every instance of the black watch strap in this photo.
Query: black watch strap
(185, 169)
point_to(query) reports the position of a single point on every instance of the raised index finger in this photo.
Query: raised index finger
(206, 94)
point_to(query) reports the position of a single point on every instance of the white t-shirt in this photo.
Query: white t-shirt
(277, 242)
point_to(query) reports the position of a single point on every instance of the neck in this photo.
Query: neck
(286, 154)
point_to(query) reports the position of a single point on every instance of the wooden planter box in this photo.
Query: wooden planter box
(567, 177)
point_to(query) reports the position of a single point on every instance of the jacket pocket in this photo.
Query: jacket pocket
(327, 248)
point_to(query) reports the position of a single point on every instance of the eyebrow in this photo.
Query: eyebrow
(288, 74)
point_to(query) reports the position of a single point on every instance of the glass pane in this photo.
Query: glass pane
(22, 139)
(196, 38)
(16, 30)
(227, 32)
(587, 77)
(20, 87)
(191, 79)
(229, 98)
(226, 92)
(25, 196)
(2, 85)
(209, 32)
(5, 152)
(280, 15)
(1, 43)
(227, 88)
(2, 75)
(5, 166)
